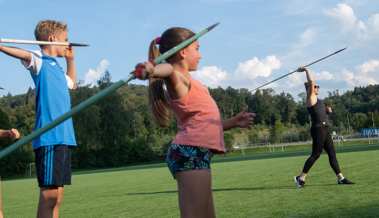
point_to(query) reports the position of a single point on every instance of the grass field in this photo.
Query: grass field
(258, 185)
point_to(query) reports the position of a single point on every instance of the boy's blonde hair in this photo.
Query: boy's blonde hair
(47, 28)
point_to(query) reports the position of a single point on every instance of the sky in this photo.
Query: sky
(256, 42)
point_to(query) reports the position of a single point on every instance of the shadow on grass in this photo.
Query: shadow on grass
(213, 190)
(228, 189)
(107, 170)
(295, 153)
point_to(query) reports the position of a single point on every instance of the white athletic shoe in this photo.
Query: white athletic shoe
(300, 183)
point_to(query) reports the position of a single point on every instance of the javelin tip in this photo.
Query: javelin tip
(77, 44)
(340, 50)
(213, 26)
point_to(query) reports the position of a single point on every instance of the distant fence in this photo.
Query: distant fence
(279, 142)
(297, 138)
(283, 138)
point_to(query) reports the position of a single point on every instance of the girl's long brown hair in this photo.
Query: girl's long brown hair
(159, 107)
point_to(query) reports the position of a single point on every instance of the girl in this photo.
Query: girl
(201, 128)
(319, 132)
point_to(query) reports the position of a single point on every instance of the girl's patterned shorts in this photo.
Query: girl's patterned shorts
(183, 157)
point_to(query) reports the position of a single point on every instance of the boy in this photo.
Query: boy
(53, 148)
(13, 134)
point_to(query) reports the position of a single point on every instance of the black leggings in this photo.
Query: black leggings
(322, 140)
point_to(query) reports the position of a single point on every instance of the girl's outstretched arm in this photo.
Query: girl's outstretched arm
(159, 71)
(176, 83)
(12, 133)
(243, 119)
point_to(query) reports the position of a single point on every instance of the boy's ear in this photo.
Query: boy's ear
(53, 38)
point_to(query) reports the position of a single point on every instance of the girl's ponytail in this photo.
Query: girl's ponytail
(159, 108)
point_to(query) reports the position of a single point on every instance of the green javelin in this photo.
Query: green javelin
(97, 97)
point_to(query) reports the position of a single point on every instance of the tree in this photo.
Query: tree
(358, 121)
(302, 115)
(278, 128)
(253, 134)
(87, 128)
(263, 105)
(114, 122)
(228, 140)
(13, 164)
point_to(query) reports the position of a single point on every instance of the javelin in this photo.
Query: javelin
(98, 96)
(17, 41)
(296, 70)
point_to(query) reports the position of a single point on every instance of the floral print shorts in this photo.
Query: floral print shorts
(183, 157)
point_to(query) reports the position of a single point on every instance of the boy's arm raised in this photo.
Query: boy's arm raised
(71, 70)
(16, 52)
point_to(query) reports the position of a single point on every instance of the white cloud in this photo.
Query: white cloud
(347, 76)
(299, 78)
(364, 81)
(363, 75)
(92, 75)
(244, 75)
(306, 38)
(367, 73)
(296, 79)
(255, 68)
(342, 17)
(358, 33)
(324, 75)
(299, 48)
(210, 76)
(369, 66)
(271, 85)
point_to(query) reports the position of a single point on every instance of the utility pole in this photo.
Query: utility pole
(310, 120)
(134, 121)
(348, 123)
(373, 123)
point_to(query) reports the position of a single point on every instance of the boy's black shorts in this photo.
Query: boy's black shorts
(53, 165)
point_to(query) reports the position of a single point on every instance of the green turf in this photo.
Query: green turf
(259, 185)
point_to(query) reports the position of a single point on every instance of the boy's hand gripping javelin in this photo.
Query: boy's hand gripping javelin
(135, 74)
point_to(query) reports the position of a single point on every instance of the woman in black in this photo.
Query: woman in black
(319, 132)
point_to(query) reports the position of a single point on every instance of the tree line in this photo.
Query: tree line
(118, 131)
